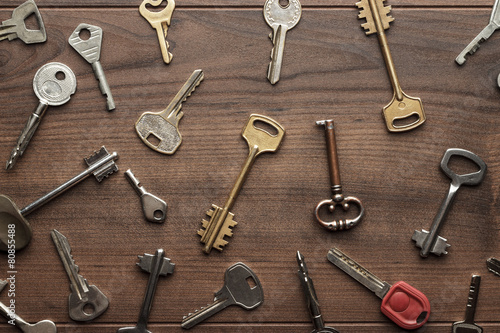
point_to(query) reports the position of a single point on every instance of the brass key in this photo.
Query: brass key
(401, 106)
(221, 219)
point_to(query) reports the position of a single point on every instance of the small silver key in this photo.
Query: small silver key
(157, 265)
(430, 241)
(16, 28)
(493, 265)
(154, 208)
(54, 83)
(85, 302)
(468, 325)
(280, 19)
(236, 290)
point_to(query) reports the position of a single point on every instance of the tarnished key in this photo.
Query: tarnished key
(54, 83)
(280, 19)
(16, 28)
(430, 241)
(157, 265)
(160, 21)
(236, 291)
(163, 127)
(101, 164)
(90, 50)
(468, 325)
(85, 302)
(221, 219)
(154, 208)
(493, 265)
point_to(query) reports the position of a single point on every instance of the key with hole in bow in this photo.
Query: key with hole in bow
(16, 28)
(154, 208)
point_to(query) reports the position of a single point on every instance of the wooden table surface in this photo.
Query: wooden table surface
(331, 70)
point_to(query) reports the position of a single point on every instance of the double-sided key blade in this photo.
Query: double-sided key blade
(154, 208)
(493, 266)
(16, 28)
(468, 325)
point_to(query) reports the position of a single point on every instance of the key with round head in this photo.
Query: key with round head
(54, 83)
(468, 325)
(154, 208)
(406, 306)
(430, 241)
(16, 28)
(236, 291)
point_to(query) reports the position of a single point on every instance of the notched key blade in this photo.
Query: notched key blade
(146, 263)
(493, 265)
(106, 169)
(367, 13)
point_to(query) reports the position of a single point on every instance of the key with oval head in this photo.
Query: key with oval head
(16, 28)
(430, 241)
(154, 208)
(236, 291)
(468, 325)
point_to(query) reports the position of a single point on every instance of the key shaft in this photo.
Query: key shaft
(205, 313)
(493, 266)
(470, 310)
(274, 70)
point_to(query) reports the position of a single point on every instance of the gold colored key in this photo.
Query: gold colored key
(221, 219)
(402, 107)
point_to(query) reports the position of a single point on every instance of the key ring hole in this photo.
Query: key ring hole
(157, 8)
(158, 214)
(284, 3)
(84, 34)
(88, 309)
(31, 22)
(340, 212)
(60, 75)
(406, 121)
(263, 126)
(462, 165)
(251, 282)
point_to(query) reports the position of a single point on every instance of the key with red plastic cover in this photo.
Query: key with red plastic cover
(406, 306)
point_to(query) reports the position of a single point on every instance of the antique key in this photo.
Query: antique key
(493, 266)
(85, 302)
(401, 106)
(221, 219)
(159, 21)
(336, 187)
(90, 50)
(236, 290)
(154, 208)
(54, 83)
(164, 125)
(280, 19)
(468, 325)
(430, 241)
(16, 28)
(406, 306)
(101, 164)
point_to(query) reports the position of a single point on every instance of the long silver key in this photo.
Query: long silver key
(236, 290)
(85, 302)
(493, 266)
(54, 83)
(468, 325)
(90, 50)
(157, 265)
(280, 19)
(483, 35)
(430, 241)
(16, 28)
(154, 208)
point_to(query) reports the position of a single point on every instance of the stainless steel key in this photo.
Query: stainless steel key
(236, 290)
(90, 50)
(16, 28)
(493, 266)
(280, 19)
(430, 241)
(54, 83)
(85, 302)
(154, 208)
(468, 325)
(156, 265)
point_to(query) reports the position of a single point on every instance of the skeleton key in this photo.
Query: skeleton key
(54, 83)
(221, 219)
(468, 325)
(101, 164)
(337, 196)
(493, 266)
(90, 50)
(159, 21)
(430, 241)
(236, 290)
(401, 106)
(16, 28)
(280, 19)
(154, 208)
(164, 125)
(85, 302)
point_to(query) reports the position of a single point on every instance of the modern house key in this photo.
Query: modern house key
(16, 28)
(468, 325)
(154, 208)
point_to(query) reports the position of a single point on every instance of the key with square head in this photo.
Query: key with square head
(280, 19)
(406, 306)
(90, 50)
(493, 266)
(236, 291)
(157, 265)
(164, 126)
(402, 107)
(86, 302)
(154, 208)
(468, 325)
(430, 241)
(101, 164)
(16, 28)
(221, 219)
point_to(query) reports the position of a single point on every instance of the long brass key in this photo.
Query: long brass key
(221, 219)
(402, 107)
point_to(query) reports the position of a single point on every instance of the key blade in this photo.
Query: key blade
(367, 13)
(102, 163)
(172, 111)
(493, 265)
(3, 283)
(475, 44)
(89, 49)
(147, 262)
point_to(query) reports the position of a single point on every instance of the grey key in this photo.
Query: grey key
(430, 241)
(16, 28)
(86, 302)
(90, 50)
(54, 83)
(468, 325)
(493, 266)
(154, 208)
(236, 290)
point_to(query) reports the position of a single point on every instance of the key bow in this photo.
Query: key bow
(164, 16)
(335, 225)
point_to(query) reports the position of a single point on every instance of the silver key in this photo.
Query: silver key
(236, 290)
(468, 325)
(280, 19)
(85, 302)
(493, 265)
(430, 241)
(16, 28)
(154, 208)
(156, 265)
(54, 83)
(483, 35)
